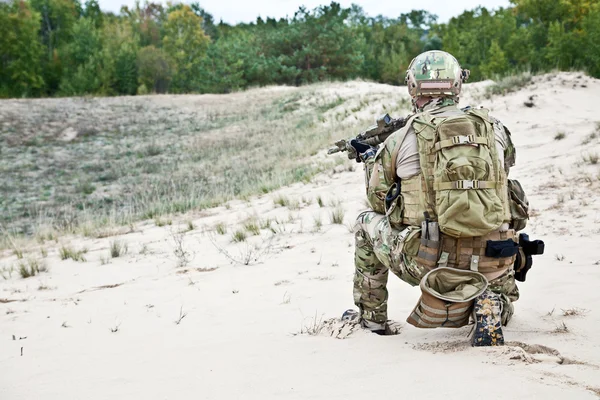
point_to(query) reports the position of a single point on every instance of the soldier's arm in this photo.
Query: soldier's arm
(519, 204)
(503, 138)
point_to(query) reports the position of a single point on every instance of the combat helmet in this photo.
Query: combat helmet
(435, 73)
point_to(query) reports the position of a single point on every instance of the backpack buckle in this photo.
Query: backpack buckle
(461, 139)
(468, 184)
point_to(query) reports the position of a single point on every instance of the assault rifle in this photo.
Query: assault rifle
(372, 136)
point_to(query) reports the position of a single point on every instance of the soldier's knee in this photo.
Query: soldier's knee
(360, 231)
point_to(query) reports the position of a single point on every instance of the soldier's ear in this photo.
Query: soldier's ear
(465, 73)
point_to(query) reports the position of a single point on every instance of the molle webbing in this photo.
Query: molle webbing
(414, 192)
(461, 252)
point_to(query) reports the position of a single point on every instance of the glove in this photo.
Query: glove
(363, 151)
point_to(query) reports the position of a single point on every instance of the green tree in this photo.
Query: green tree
(57, 20)
(20, 50)
(155, 70)
(185, 42)
(495, 63)
(82, 60)
(591, 43)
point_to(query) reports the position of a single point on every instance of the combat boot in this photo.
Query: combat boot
(487, 313)
(380, 329)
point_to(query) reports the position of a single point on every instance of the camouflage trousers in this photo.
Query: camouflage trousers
(378, 251)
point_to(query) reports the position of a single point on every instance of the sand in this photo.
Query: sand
(144, 326)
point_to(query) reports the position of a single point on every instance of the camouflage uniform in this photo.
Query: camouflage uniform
(379, 250)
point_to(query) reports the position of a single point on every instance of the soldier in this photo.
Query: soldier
(441, 198)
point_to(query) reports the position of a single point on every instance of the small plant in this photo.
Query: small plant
(221, 228)
(76, 255)
(561, 328)
(239, 236)
(31, 267)
(252, 226)
(589, 138)
(313, 327)
(320, 201)
(18, 252)
(294, 205)
(183, 256)
(118, 248)
(162, 222)
(6, 272)
(44, 252)
(337, 215)
(281, 200)
(591, 158)
(571, 312)
(266, 223)
(318, 223)
(248, 254)
(334, 203)
(190, 226)
(560, 136)
(104, 260)
(182, 315)
(559, 257)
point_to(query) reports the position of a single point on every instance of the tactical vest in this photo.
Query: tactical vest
(461, 191)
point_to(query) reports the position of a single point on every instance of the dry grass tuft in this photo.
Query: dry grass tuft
(221, 228)
(337, 215)
(31, 267)
(66, 252)
(239, 236)
(571, 312)
(118, 248)
(561, 328)
(252, 226)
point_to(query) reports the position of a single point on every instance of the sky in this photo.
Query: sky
(234, 11)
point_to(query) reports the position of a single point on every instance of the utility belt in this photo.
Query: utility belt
(490, 255)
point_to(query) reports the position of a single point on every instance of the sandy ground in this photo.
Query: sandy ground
(143, 327)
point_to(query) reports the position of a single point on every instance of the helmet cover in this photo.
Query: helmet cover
(435, 73)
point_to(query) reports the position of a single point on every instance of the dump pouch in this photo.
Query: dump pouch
(447, 297)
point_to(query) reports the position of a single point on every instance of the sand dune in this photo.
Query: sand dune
(147, 325)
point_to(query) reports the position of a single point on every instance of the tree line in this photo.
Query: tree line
(65, 48)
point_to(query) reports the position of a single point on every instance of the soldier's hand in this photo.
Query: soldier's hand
(363, 151)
